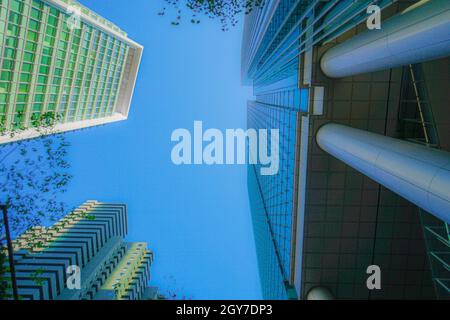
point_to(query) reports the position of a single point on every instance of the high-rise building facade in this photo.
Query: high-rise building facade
(89, 243)
(61, 59)
(364, 141)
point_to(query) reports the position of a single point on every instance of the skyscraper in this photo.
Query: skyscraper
(90, 240)
(362, 113)
(60, 58)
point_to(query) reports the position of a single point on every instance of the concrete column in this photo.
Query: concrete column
(415, 172)
(418, 34)
(319, 293)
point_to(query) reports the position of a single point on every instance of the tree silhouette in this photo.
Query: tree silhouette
(33, 173)
(172, 290)
(226, 11)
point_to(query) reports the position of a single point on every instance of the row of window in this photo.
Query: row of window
(277, 191)
(103, 70)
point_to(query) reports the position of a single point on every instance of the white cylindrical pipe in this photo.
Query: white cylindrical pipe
(415, 172)
(420, 33)
(319, 293)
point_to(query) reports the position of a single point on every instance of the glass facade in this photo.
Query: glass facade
(273, 206)
(271, 270)
(279, 33)
(273, 197)
(278, 105)
(50, 66)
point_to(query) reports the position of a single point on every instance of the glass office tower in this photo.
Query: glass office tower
(272, 197)
(61, 59)
(90, 238)
(332, 211)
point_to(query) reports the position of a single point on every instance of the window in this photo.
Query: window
(8, 64)
(43, 70)
(24, 77)
(21, 98)
(24, 88)
(42, 79)
(13, 30)
(54, 12)
(45, 61)
(49, 41)
(26, 67)
(33, 25)
(36, 14)
(47, 51)
(52, 21)
(4, 87)
(16, 5)
(28, 57)
(30, 46)
(19, 109)
(6, 76)
(10, 53)
(38, 4)
(11, 42)
(39, 98)
(51, 31)
(64, 36)
(14, 18)
(61, 54)
(32, 36)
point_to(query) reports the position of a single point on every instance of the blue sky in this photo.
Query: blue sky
(195, 218)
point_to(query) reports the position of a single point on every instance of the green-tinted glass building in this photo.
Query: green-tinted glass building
(60, 58)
